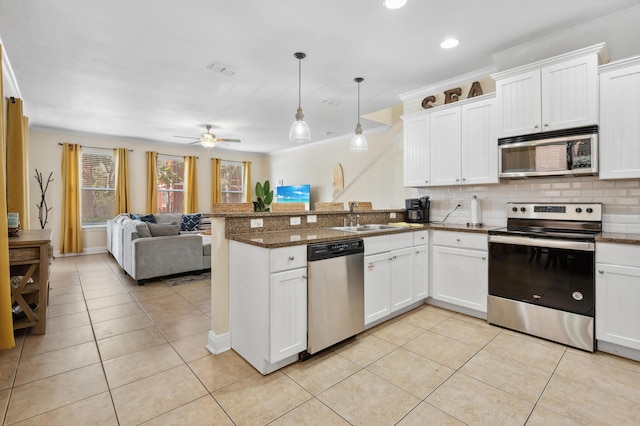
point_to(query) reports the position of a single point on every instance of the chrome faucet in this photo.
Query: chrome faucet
(352, 204)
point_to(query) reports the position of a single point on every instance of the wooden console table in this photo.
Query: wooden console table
(29, 256)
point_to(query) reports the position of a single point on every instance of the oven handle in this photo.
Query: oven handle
(541, 242)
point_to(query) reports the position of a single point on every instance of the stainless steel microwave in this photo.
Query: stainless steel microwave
(561, 152)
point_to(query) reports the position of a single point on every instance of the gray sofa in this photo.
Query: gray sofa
(148, 250)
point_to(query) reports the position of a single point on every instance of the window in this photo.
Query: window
(98, 185)
(170, 184)
(231, 181)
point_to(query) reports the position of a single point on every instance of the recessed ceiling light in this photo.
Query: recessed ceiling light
(450, 43)
(394, 4)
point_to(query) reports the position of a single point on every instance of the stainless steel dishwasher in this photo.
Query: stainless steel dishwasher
(335, 293)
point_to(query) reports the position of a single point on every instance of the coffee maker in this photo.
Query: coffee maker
(417, 210)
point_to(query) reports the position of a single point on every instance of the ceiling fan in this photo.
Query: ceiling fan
(209, 140)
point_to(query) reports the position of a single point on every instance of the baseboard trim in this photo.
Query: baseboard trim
(218, 343)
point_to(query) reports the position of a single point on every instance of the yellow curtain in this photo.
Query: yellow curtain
(246, 179)
(190, 204)
(71, 234)
(152, 182)
(17, 170)
(123, 197)
(6, 317)
(216, 194)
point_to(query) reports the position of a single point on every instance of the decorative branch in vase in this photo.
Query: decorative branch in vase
(43, 209)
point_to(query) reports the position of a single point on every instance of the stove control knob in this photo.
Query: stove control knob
(515, 209)
(522, 209)
(589, 210)
(578, 210)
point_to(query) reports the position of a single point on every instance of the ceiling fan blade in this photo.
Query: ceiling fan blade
(228, 140)
(185, 137)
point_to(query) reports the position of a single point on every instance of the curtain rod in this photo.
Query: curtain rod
(231, 161)
(172, 155)
(87, 146)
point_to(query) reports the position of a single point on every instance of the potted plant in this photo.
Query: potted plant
(264, 194)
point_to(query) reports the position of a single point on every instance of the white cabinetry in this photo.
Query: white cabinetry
(618, 295)
(416, 150)
(268, 304)
(558, 93)
(452, 144)
(394, 273)
(619, 123)
(460, 269)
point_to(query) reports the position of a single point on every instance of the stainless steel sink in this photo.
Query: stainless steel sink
(365, 228)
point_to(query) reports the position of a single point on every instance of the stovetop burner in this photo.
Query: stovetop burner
(575, 221)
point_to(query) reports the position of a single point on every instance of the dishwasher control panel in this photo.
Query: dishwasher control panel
(335, 248)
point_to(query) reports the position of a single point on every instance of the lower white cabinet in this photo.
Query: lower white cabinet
(618, 294)
(460, 269)
(395, 273)
(268, 304)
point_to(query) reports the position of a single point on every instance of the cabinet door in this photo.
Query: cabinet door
(445, 147)
(617, 296)
(416, 150)
(619, 124)
(570, 94)
(519, 104)
(288, 314)
(460, 277)
(420, 272)
(401, 266)
(376, 287)
(479, 144)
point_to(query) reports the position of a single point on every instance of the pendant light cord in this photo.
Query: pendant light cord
(358, 103)
(299, 82)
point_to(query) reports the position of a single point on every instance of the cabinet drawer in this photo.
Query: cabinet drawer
(22, 254)
(286, 258)
(618, 254)
(460, 240)
(382, 243)
(420, 238)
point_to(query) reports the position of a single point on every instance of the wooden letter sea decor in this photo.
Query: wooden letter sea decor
(426, 102)
(452, 95)
(476, 90)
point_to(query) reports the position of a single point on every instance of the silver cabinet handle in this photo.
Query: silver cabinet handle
(457, 180)
(291, 258)
(304, 277)
(458, 239)
(484, 258)
(546, 124)
(463, 179)
(601, 271)
(426, 181)
(535, 127)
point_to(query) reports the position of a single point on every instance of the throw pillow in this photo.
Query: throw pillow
(142, 229)
(163, 230)
(148, 218)
(168, 217)
(190, 222)
(134, 216)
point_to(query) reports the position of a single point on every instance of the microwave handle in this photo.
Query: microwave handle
(569, 155)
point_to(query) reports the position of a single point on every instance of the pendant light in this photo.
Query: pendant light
(299, 131)
(358, 141)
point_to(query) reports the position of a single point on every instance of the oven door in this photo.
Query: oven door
(554, 273)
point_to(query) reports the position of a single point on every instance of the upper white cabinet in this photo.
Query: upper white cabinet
(452, 145)
(416, 150)
(558, 93)
(619, 120)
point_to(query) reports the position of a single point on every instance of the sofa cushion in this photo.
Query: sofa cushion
(168, 218)
(163, 229)
(190, 222)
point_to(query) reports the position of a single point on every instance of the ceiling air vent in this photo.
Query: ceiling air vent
(222, 68)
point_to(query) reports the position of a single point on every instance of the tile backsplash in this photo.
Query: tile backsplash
(620, 199)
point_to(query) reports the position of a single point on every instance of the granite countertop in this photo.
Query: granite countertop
(618, 238)
(320, 235)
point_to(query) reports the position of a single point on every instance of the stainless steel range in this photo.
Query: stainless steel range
(541, 271)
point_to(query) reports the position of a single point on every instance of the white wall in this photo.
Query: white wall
(45, 154)
(374, 175)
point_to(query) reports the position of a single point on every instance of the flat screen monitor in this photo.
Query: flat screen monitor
(294, 194)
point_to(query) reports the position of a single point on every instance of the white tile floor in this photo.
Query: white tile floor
(116, 353)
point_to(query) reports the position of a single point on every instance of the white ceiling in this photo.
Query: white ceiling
(138, 68)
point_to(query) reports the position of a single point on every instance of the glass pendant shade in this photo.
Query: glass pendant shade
(300, 131)
(207, 143)
(358, 141)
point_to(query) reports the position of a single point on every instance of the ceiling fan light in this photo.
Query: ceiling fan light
(207, 142)
(450, 43)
